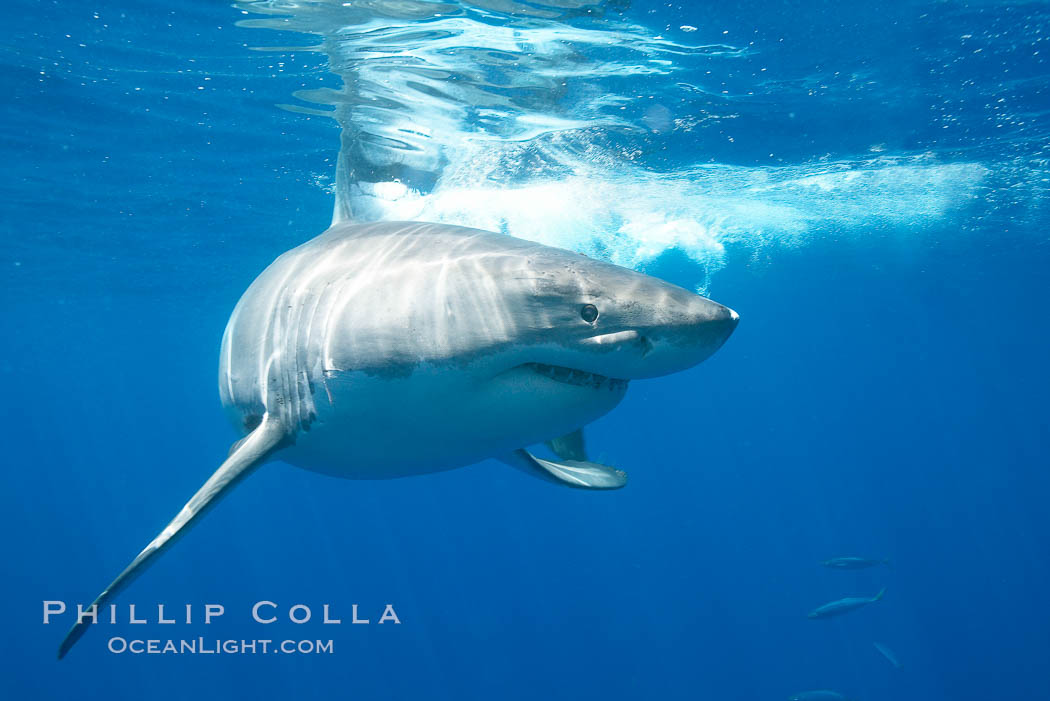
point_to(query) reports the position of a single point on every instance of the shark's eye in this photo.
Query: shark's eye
(589, 313)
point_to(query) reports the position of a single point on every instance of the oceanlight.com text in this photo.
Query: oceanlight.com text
(213, 646)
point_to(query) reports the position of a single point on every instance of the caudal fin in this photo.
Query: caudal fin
(879, 595)
(247, 455)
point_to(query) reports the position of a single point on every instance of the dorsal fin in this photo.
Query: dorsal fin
(246, 455)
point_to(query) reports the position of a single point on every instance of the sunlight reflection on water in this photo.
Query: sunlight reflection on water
(527, 118)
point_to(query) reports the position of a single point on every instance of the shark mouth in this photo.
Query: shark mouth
(579, 378)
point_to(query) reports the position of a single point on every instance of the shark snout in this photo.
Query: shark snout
(693, 328)
(717, 325)
(678, 330)
(705, 325)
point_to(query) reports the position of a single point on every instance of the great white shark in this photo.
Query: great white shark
(391, 349)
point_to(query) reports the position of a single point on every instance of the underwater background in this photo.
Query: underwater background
(866, 185)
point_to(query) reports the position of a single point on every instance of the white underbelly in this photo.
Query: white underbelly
(370, 427)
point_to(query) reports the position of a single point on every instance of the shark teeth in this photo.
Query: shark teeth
(579, 378)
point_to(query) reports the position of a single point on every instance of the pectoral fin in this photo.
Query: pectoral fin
(245, 456)
(571, 446)
(574, 473)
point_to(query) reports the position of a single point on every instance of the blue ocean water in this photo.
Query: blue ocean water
(866, 186)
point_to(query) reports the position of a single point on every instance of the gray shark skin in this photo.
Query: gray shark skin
(392, 349)
(842, 606)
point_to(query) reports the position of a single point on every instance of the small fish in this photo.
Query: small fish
(888, 654)
(837, 608)
(852, 563)
(819, 695)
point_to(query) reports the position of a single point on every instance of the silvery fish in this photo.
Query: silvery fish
(888, 654)
(819, 695)
(837, 608)
(852, 563)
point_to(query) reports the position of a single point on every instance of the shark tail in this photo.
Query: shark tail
(878, 596)
(244, 458)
